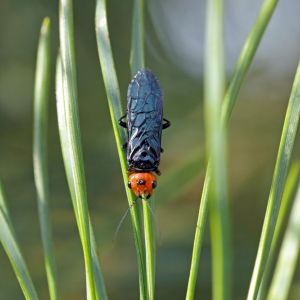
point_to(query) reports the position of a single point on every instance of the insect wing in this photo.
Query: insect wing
(144, 121)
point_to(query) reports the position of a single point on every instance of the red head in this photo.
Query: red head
(142, 184)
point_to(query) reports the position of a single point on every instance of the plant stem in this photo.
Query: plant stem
(216, 148)
(282, 216)
(41, 97)
(69, 168)
(114, 102)
(9, 242)
(69, 108)
(241, 69)
(150, 247)
(137, 54)
(289, 253)
(137, 62)
(279, 178)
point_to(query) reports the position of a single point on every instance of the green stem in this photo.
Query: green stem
(114, 102)
(246, 57)
(73, 135)
(9, 242)
(137, 62)
(288, 256)
(150, 247)
(240, 71)
(41, 97)
(214, 82)
(279, 177)
(137, 55)
(199, 235)
(65, 145)
(283, 213)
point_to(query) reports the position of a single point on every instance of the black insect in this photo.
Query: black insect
(144, 123)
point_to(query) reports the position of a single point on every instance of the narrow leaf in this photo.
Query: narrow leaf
(11, 247)
(114, 103)
(216, 148)
(70, 137)
(137, 62)
(137, 55)
(41, 97)
(149, 246)
(289, 253)
(65, 143)
(282, 216)
(279, 177)
(241, 69)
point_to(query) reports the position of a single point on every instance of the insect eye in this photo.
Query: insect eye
(141, 182)
(129, 184)
(154, 184)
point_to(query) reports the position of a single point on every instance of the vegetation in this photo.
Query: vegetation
(219, 102)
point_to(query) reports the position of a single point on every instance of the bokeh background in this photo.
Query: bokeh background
(174, 51)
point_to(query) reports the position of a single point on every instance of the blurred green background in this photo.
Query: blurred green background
(253, 142)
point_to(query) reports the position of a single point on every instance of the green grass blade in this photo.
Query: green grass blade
(279, 177)
(241, 68)
(137, 55)
(71, 140)
(150, 247)
(41, 97)
(282, 216)
(199, 235)
(11, 247)
(246, 57)
(4, 209)
(214, 83)
(114, 102)
(288, 255)
(99, 281)
(137, 62)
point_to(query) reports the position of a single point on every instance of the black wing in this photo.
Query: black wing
(144, 122)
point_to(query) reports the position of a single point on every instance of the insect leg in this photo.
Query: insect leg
(166, 124)
(121, 122)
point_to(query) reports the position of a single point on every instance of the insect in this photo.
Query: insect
(144, 126)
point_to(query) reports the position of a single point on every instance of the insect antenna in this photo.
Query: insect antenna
(123, 219)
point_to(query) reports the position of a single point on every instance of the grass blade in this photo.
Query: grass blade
(246, 57)
(99, 281)
(150, 247)
(214, 83)
(41, 97)
(70, 138)
(241, 68)
(69, 168)
(282, 216)
(279, 177)
(288, 255)
(114, 102)
(11, 247)
(199, 235)
(137, 55)
(137, 62)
